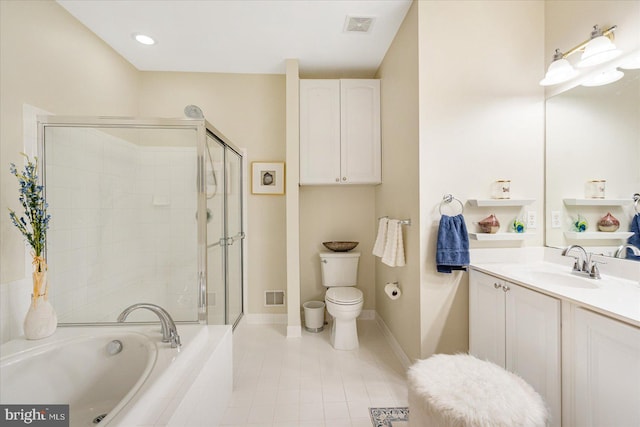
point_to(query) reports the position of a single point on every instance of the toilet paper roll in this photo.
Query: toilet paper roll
(392, 290)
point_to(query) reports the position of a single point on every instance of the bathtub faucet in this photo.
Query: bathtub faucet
(169, 329)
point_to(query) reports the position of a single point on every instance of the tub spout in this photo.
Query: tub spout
(169, 329)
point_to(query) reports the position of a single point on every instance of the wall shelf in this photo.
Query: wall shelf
(500, 202)
(597, 202)
(500, 236)
(598, 235)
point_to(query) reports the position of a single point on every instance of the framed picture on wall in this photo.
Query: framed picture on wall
(267, 178)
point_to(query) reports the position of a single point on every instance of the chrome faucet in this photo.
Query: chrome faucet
(169, 329)
(583, 266)
(621, 252)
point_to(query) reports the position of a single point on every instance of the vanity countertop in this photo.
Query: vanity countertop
(612, 296)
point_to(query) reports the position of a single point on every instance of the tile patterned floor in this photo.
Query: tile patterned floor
(293, 382)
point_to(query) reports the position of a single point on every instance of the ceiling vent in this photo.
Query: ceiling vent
(358, 24)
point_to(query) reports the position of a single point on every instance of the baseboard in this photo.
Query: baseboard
(294, 331)
(393, 343)
(266, 319)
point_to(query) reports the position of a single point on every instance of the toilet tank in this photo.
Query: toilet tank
(339, 268)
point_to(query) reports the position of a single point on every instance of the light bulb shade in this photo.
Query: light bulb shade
(631, 63)
(559, 71)
(603, 78)
(599, 50)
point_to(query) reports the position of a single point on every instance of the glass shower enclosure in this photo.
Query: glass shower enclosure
(142, 210)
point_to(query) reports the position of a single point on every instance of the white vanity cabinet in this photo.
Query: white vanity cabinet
(602, 383)
(340, 132)
(518, 329)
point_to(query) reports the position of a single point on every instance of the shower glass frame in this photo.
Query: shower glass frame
(201, 128)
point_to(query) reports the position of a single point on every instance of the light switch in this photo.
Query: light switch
(556, 219)
(532, 219)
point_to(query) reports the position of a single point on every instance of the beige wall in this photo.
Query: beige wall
(49, 60)
(481, 119)
(398, 196)
(249, 109)
(342, 212)
(461, 81)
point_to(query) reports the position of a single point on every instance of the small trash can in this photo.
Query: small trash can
(313, 316)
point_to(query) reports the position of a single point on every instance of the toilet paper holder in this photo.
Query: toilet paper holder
(392, 290)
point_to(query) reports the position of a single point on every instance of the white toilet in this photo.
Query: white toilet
(344, 301)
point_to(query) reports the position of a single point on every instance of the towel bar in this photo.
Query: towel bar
(636, 202)
(448, 198)
(402, 221)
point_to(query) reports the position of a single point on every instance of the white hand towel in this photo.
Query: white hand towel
(381, 239)
(393, 254)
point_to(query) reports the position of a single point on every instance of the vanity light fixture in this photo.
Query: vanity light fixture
(597, 50)
(559, 71)
(143, 39)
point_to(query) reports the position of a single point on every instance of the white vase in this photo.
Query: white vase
(41, 320)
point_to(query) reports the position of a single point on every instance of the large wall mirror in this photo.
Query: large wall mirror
(592, 151)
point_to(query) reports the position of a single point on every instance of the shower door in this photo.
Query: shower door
(123, 202)
(225, 235)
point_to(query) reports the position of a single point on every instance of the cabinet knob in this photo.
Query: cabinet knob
(337, 179)
(497, 285)
(506, 288)
(344, 178)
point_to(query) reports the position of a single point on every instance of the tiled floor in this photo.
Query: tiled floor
(293, 382)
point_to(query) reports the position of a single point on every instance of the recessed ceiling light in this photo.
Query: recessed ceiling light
(144, 39)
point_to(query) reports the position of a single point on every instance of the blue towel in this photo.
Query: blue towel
(453, 244)
(635, 239)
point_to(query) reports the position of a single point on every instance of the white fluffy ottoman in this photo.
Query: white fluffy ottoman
(463, 391)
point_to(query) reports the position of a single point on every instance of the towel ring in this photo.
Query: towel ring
(448, 198)
(636, 202)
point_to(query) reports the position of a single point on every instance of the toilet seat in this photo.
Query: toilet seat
(344, 295)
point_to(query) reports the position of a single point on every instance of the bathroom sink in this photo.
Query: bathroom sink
(562, 279)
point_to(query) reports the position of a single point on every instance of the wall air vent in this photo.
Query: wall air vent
(358, 24)
(273, 298)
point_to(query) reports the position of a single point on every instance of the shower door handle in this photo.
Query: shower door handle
(239, 236)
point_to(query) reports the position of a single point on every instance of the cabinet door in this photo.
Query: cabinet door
(607, 371)
(486, 318)
(360, 133)
(319, 131)
(533, 343)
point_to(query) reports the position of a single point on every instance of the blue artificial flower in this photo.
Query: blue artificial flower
(35, 222)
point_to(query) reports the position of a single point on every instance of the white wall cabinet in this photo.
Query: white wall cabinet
(518, 329)
(604, 388)
(340, 132)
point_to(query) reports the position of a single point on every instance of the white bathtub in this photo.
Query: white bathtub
(147, 383)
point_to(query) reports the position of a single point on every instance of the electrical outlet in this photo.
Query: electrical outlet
(556, 219)
(532, 219)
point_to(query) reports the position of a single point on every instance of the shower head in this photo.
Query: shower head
(193, 112)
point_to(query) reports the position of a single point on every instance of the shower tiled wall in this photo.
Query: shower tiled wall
(123, 226)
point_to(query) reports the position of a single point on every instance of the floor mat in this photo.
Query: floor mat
(389, 417)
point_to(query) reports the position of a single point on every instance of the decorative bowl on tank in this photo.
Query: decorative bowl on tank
(340, 246)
